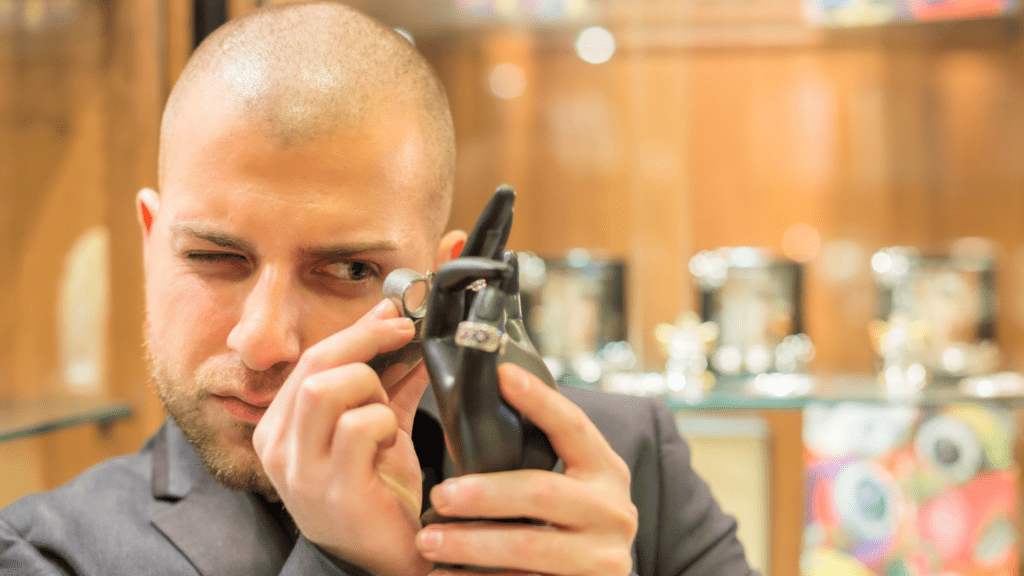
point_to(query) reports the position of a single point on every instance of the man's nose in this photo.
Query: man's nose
(267, 333)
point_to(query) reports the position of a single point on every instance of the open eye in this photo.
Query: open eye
(351, 270)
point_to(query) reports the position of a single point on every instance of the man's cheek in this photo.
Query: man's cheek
(189, 324)
(197, 302)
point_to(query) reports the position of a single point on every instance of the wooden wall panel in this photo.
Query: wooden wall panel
(575, 147)
(979, 188)
(81, 87)
(22, 469)
(657, 194)
(136, 90)
(875, 138)
(48, 125)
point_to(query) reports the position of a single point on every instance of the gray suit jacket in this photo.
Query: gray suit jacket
(160, 512)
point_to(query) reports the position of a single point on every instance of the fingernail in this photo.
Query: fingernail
(382, 310)
(428, 540)
(401, 323)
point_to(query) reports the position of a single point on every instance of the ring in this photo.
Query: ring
(478, 335)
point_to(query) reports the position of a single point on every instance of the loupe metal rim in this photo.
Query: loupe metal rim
(396, 288)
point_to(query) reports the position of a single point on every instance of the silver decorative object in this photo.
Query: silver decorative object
(574, 310)
(935, 317)
(753, 301)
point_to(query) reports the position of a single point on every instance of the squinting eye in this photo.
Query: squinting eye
(213, 257)
(351, 271)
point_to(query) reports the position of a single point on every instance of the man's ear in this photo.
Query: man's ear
(147, 204)
(449, 247)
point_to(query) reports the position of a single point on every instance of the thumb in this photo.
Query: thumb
(404, 395)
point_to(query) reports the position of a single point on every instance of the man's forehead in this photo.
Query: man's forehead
(288, 119)
(391, 142)
(388, 147)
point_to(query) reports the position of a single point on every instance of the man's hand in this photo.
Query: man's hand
(590, 521)
(338, 447)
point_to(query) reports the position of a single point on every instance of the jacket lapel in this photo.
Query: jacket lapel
(220, 531)
(224, 531)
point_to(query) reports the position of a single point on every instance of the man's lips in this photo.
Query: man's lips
(241, 409)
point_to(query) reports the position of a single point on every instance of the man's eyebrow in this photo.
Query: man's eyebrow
(347, 250)
(222, 240)
(338, 252)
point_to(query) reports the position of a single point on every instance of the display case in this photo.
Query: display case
(936, 315)
(574, 309)
(861, 482)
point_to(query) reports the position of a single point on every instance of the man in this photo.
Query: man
(305, 153)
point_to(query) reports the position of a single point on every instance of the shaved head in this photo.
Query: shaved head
(301, 72)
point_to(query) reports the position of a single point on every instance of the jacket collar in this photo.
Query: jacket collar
(220, 531)
(177, 467)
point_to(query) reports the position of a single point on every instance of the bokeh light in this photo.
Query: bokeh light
(842, 259)
(34, 13)
(801, 242)
(595, 45)
(507, 81)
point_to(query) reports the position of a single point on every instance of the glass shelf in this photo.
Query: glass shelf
(797, 391)
(22, 418)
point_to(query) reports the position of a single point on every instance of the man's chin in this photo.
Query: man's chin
(244, 478)
(237, 468)
(227, 452)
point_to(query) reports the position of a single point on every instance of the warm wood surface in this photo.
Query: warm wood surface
(81, 86)
(908, 136)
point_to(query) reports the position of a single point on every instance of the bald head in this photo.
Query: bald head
(301, 72)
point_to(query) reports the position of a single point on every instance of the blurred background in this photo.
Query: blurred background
(825, 194)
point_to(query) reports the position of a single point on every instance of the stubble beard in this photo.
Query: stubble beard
(234, 467)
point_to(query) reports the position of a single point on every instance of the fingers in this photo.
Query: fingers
(358, 436)
(574, 437)
(323, 396)
(405, 395)
(380, 330)
(551, 498)
(521, 547)
(588, 519)
(332, 446)
(341, 414)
